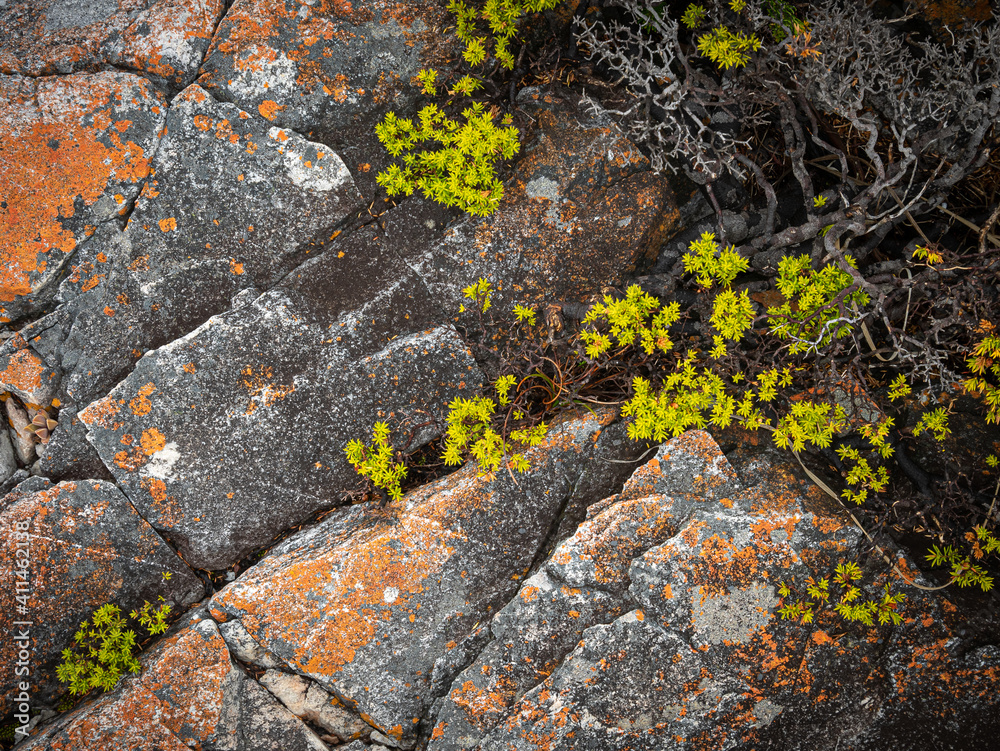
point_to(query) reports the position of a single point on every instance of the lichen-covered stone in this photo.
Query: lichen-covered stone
(188, 695)
(74, 153)
(365, 607)
(165, 39)
(694, 655)
(324, 65)
(234, 204)
(84, 546)
(583, 583)
(346, 341)
(580, 210)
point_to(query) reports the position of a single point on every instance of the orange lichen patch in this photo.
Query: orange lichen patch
(722, 565)
(377, 574)
(130, 460)
(529, 594)
(188, 367)
(152, 441)
(23, 372)
(51, 162)
(99, 413)
(478, 703)
(268, 108)
(168, 224)
(141, 405)
(260, 388)
(139, 264)
(235, 268)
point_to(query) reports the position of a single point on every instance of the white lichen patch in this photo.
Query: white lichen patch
(161, 465)
(732, 617)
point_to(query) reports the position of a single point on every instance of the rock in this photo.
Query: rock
(242, 646)
(75, 151)
(319, 67)
(188, 695)
(8, 464)
(365, 607)
(166, 39)
(582, 584)
(24, 373)
(682, 647)
(307, 700)
(578, 181)
(23, 440)
(234, 203)
(345, 342)
(86, 546)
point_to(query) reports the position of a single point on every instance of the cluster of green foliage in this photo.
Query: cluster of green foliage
(849, 605)
(986, 359)
(475, 430)
(627, 321)
(502, 17)
(471, 431)
(964, 572)
(378, 462)
(104, 648)
(461, 171)
(720, 44)
(816, 303)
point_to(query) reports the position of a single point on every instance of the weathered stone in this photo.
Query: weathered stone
(25, 373)
(166, 39)
(243, 647)
(8, 464)
(581, 209)
(85, 546)
(188, 695)
(582, 584)
(366, 607)
(704, 660)
(235, 203)
(74, 151)
(325, 65)
(345, 342)
(24, 442)
(627, 686)
(305, 699)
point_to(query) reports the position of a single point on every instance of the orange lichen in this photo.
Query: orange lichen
(99, 413)
(168, 224)
(152, 440)
(260, 388)
(23, 372)
(51, 162)
(141, 405)
(268, 108)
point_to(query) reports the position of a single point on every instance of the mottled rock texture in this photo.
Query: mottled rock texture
(163, 39)
(190, 694)
(74, 152)
(372, 609)
(83, 545)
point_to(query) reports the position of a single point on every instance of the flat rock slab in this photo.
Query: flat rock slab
(84, 546)
(372, 608)
(655, 626)
(188, 695)
(165, 39)
(324, 66)
(580, 210)
(74, 152)
(235, 204)
(582, 584)
(236, 432)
